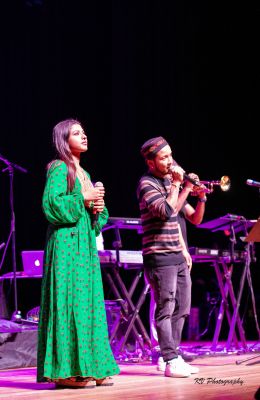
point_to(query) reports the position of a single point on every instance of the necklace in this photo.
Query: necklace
(162, 185)
(84, 180)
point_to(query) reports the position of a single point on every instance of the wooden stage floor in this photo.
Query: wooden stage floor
(220, 377)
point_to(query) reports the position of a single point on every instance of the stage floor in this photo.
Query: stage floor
(220, 377)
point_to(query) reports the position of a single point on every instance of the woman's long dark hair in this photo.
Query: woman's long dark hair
(60, 137)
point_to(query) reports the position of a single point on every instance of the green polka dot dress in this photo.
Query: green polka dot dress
(72, 335)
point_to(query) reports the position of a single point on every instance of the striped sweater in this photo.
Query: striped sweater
(159, 219)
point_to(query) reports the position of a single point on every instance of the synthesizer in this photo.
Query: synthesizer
(123, 223)
(199, 253)
(125, 257)
(130, 258)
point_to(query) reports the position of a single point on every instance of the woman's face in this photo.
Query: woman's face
(77, 141)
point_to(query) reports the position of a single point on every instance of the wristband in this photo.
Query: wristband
(203, 200)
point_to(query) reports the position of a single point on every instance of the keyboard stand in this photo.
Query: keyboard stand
(230, 303)
(130, 311)
(224, 276)
(134, 321)
(253, 236)
(130, 320)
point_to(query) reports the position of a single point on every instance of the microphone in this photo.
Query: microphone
(95, 213)
(250, 182)
(193, 181)
(186, 176)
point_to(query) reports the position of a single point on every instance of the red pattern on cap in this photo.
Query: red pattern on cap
(153, 146)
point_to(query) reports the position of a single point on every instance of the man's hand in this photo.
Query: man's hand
(188, 258)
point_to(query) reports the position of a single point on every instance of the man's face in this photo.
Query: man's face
(161, 164)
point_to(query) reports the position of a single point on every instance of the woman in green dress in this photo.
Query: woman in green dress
(73, 343)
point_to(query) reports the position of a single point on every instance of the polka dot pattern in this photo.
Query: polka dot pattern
(73, 335)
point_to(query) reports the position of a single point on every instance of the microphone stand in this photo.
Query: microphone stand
(10, 167)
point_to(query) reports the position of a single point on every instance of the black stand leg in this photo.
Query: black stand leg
(249, 280)
(132, 321)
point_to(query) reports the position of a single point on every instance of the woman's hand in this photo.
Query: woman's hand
(98, 206)
(94, 194)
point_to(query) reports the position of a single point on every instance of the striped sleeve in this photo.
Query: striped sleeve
(159, 219)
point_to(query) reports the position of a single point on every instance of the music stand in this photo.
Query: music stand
(254, 234)
(223, 223)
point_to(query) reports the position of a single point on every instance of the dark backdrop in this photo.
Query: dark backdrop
(130, 70)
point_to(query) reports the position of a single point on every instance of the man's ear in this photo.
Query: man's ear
(150, 164)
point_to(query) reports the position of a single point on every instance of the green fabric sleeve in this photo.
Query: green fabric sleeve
(102, 220)
(58, 206)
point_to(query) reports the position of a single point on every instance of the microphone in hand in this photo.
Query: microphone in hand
(95, 213)
(186, 176)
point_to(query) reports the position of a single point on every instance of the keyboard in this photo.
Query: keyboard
(128, 257)
(199, 253)
(123, 223)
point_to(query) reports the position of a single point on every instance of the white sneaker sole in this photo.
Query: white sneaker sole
(177, 375)
(192, 370)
